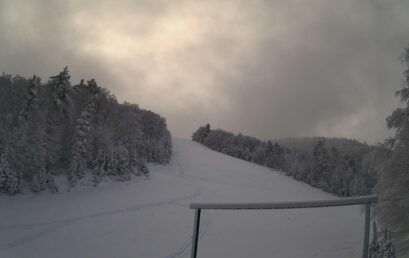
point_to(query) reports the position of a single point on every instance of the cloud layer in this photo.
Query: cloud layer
(270, 69)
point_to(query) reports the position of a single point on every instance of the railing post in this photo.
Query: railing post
(195, 238)
(366, 233)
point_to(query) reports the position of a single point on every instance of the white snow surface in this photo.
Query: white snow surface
(151, 218)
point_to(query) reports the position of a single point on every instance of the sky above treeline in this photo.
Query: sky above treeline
(270, 69)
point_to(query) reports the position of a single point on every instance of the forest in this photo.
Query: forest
(59, 129)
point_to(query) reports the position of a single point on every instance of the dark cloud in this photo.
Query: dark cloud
(265, 68)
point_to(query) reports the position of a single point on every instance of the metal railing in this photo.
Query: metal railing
(362, 200)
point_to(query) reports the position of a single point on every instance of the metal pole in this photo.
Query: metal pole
(195, 238)
(366, 233)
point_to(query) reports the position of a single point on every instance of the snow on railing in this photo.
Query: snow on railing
(361, 200)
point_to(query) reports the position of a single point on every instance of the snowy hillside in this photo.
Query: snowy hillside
(151, 218)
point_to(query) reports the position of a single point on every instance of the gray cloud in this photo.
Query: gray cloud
(265, 68)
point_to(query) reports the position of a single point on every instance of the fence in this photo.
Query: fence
(362, 200)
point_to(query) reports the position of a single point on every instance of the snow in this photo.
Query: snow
(151, 218)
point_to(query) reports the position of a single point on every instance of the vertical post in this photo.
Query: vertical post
(195, 238)
(366, 233)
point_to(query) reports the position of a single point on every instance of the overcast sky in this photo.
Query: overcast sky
(269, 69)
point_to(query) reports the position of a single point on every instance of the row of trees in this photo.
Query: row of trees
(56, 128)
(346, 172)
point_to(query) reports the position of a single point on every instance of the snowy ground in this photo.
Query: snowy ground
(151, 218)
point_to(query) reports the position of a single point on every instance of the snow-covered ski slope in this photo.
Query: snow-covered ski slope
(151, 218)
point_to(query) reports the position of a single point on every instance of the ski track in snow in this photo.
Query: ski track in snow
(220, 181)
(205, 222)
(196, 193)
(61, 223)
(182, 251)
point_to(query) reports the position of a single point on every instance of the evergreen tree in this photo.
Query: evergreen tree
(59, 120)
(33, 98)
(79, 149)
(39, 182)
(10, 179)
(99, 167)
(394, 180)
(274, 155)
(321, 166)
(269, 154)
(202, 133)
(259, 154)
(60, 86)
(279, 156)
(120, 163)
(31, 135)
(42, 180)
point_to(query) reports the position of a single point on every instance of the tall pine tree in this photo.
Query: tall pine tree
(80, 145)
(393, 184)
(10, 179)
(321, 166)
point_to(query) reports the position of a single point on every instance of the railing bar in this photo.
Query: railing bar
(289, 205)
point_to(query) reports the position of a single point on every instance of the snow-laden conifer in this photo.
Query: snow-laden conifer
(10, 179)
(39, 181)
(60, 86)
(321, 165)
(99, 167)
(120, 163)
(394, 178)
(79, 148)
(33, 98)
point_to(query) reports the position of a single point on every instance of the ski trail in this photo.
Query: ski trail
(32, 237)
(197, 192)
(57, 224)
(184, 249)
(205, 222)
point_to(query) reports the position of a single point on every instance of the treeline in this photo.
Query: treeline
(56, 128)
(339, 166)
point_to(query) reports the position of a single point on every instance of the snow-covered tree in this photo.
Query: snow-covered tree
(99, 167)
(10, 179)
(79, 149)
(120, 163)
(31, 134)
(42, 180)
(381, 247)
(201, 133)
(33, 98)
(60, 86)
(321, 165)
(274, 155)
(39, 182)
(100, 163)
(394, 179)
(59, 119)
